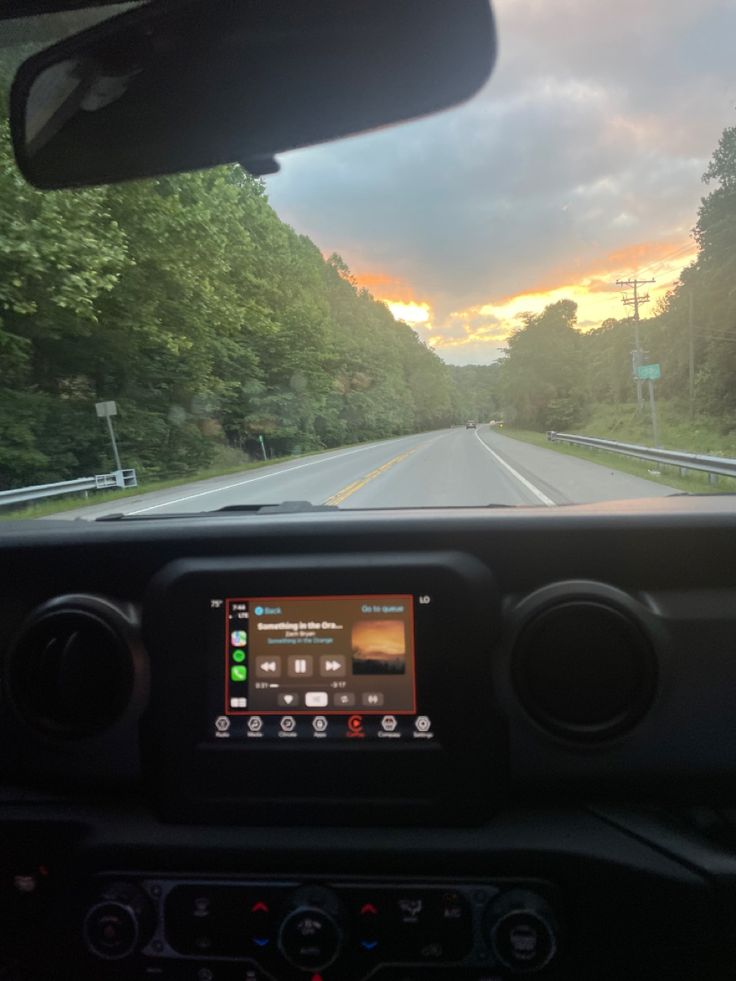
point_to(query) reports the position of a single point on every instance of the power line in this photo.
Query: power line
(683, 250)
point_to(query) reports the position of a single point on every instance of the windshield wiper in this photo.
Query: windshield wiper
(284, 507)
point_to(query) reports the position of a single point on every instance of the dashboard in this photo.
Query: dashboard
(402, 745)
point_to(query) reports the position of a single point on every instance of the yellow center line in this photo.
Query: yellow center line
(356, 485)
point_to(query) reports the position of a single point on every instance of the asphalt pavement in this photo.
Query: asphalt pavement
(457, 467)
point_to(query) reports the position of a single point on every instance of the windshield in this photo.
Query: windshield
(528, 300)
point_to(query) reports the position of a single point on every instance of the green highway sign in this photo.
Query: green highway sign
(650, 372)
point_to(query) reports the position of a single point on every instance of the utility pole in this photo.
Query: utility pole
(634, 301)
(691, 342)
(653, 407)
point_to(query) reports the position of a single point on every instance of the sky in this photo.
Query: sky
(579, 163)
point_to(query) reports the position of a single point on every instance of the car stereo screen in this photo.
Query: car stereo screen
(325, 654)
(319, 665)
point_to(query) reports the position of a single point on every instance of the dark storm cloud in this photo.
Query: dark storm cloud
(590, 138)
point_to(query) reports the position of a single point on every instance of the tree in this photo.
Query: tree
(542, 374)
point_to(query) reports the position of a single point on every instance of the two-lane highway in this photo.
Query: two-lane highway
(451, 467)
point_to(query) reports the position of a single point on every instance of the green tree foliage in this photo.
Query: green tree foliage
(205, 317)
(543, 372)
(476, 392)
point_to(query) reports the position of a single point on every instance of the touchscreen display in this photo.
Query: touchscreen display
(317, 667)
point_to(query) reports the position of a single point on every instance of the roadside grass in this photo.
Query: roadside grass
(677, 431)
(692, 482)
(75, 501)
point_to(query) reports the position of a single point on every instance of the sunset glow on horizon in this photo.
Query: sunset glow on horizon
(598, 296)
(411, 313)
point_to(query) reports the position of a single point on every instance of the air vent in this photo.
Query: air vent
(71, 673)
(584, 669)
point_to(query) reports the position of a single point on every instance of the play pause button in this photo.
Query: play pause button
(332, 666)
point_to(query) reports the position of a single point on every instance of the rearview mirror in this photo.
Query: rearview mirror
(174, 86)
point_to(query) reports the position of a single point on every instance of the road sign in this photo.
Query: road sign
(105, 409)
(649, 372)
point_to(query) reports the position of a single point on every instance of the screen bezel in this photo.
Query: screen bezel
(444, 780)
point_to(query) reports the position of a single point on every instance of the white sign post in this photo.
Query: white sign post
(105, 410)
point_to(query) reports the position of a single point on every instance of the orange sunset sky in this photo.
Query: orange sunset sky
(596, 293)
(579, 163)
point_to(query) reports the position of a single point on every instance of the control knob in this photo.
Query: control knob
(311, 935)
(522, 931)
(119, 922)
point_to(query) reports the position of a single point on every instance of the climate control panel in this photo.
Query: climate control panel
(222, 929)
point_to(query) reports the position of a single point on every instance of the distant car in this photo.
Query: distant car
(496, 423)
(470, 424)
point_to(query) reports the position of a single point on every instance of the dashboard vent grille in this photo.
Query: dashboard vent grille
(584, 669)
(71, 673)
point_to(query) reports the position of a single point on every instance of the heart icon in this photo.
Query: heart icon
(288, 699)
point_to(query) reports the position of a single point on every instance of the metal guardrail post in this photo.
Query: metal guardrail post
(38, 492)
(714, 466)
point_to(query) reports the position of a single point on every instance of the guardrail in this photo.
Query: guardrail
(712, 465)
(102, 481)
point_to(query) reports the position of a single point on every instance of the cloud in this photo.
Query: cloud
(581, 158)
(384, 285)
(410, 313)
(465, 335)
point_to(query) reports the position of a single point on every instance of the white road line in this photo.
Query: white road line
(252, 480)
(515, 473)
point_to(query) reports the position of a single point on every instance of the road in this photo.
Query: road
(448, 467)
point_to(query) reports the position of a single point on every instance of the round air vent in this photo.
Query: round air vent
(584, 669)
(71, 672)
